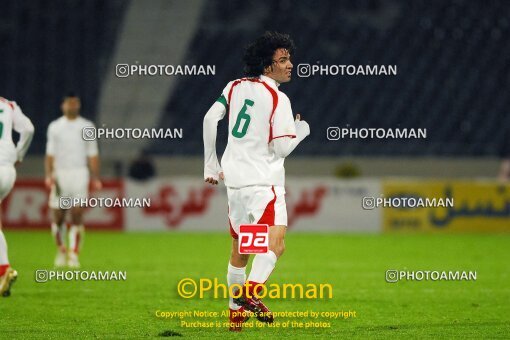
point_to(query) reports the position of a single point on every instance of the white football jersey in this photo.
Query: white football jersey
(11, 117)
(66, 144)
(257, 114)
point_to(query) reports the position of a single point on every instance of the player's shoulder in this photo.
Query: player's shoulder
(9, 103)
(272, 86)
(234, 82)
(243, 80)
(282, 96)
(54, 124)
(238, 80)
(283, 101)
(231, 85)
(84, 121)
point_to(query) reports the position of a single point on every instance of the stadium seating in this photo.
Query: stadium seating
(452, 72)
(452, 60)
(51, 48)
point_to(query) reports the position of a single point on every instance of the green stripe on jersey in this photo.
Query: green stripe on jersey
(222, 100)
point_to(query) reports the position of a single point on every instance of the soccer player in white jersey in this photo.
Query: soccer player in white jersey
(68, 160)
(11, 118)
(262, 132)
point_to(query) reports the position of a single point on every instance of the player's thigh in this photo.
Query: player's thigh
(266, 205)
(7, 179)
(77, 213)
(69, 184)
(58, 214)
(74, 183)
(61, 188)
(236, 211)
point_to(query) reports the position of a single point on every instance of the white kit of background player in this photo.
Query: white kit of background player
(68, 159)
(11, 118)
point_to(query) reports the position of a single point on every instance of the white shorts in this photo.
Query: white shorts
(73, 183)
(256, 205)
(7, 179)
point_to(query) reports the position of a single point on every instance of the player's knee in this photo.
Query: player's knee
(239, 260)
(58, 217)
(281, 249)
(76, 217)
(240, 257)
(76, 221)
(244, 259)
(278, 248)
(59, 220)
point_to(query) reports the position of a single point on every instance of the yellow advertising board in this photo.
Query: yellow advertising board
(477, 206)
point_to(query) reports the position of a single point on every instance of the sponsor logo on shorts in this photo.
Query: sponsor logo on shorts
(253, 238)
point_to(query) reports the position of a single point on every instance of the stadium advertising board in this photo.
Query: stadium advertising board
(312, 205)
(478, 206)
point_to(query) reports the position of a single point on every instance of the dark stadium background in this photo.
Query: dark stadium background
(453, 60)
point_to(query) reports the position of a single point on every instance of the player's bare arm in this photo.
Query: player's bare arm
(48, 170)
(94, 166)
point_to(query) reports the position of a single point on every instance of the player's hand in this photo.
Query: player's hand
(96, 184)
(214, 181)
(302, 127)
(48, 182)
(211, 180)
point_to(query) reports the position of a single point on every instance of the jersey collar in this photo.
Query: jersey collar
(270, 81)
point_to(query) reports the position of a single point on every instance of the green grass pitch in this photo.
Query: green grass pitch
(354, 264)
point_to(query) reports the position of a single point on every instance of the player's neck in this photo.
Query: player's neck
(71, 116)
(271, 79)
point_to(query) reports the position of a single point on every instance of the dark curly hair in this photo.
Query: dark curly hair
(259, 54)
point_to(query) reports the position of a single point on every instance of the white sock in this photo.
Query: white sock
(76, 238)
(235, 275)
(262, 266)
(3, 250)
(59, 234)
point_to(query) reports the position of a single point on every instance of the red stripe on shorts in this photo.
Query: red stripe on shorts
(232, 231)
(268, 216)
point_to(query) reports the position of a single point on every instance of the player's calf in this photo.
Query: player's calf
(76, 233)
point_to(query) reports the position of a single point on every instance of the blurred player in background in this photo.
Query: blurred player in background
(11, 118)
(68, 160)
(262, 132)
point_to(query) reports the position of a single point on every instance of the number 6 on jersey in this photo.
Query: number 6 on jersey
(243, 120)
